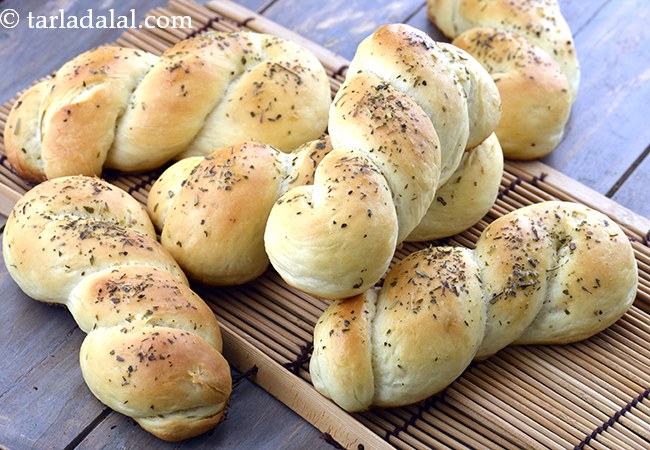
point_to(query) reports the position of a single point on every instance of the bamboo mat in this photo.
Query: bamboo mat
(592, 394)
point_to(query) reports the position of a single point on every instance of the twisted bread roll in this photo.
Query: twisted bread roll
(129, 110)
(528, 48)
(550, 273)
(153, 349)
(399, 125)
(212, 211)
(467, 196)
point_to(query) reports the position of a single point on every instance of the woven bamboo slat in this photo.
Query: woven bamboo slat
(593, 394)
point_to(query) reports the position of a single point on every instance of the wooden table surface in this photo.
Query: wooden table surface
(43, 400)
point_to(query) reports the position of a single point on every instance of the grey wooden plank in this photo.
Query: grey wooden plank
(253, 5)
(608, 128)
(579, 13)
(266, 424)
(420, 20)
(339, 25)
(30, 53)
(634, 192)
(43, 399)
(30, 331)
(44, 402)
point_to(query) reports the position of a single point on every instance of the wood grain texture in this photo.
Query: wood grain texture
(608, 130)
(634, 191)
(30, 53)
(37, 357)
(339, 25)
(40, 373)
(45, 404)
(300, 396)
(41, 343)
(421, 21)
(605, 134)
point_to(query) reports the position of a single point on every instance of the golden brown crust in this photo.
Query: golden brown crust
(405, 342)
(453, 90)
(80, 111)
(408, 109)
(217, 220)
(429, 323)
(515, 258)
(130, 110)
(22, 134)
(536, 100)
(528, 48)
(550, 273)
(142, 294)
(153, 346)
(467, 196)
(315, 234)
(570, 268)
(212, 211)
(596, 267)
(341, 363)
(158, 372)
(383, 122)
(538, 21)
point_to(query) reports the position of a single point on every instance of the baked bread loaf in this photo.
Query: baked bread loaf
(212, 211)
(153, 348)
(129, 110)
(528, 48)
(550, 273)
(399, 125)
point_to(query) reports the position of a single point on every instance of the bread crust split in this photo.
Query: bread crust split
(153, 347)
(550, 273)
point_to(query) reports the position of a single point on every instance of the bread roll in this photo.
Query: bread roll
(212, 211)
(153, 348)
(399, 125)
(467, 196)
(129, 110)
(554, 273)
(540, 22)
(528, 48)
(398, 344)
(536, 100)
(549, 273)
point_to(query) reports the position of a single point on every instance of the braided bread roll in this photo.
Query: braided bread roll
(399, 125)
(153, 349)
(212, 210)
(528, 48)
(467, 196)
(129, 110)
(550, 273)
